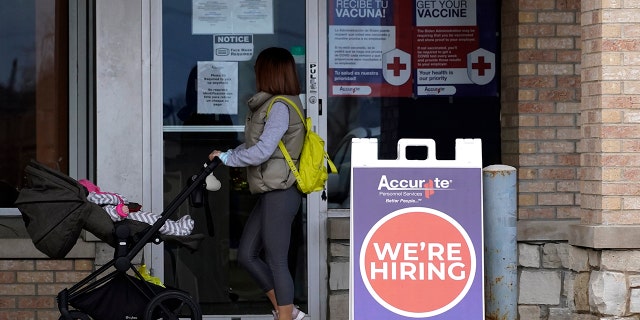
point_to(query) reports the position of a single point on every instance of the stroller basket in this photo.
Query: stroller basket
(55, 210)
(122, 297)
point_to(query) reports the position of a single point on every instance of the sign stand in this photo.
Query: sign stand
(416, 233)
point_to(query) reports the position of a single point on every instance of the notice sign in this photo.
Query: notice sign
(232, 47)
(217, 87)
(239, 16)
(416, 236)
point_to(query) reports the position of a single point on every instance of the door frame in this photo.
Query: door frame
(317, 291)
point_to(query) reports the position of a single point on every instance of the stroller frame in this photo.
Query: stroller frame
(162, 302)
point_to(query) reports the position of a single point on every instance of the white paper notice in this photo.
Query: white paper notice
(232, 16)
(217, 87)
(232, 47)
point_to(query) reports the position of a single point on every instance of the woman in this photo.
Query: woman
(268, 175)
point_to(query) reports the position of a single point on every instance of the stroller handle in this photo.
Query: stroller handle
(173, 206)
(212, 164)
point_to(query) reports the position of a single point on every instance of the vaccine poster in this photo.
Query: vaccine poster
(394, 48)
(369, 48)
(417, 243)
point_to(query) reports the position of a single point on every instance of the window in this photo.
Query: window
(34, 86)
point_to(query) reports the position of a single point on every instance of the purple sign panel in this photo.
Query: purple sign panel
(417, 243)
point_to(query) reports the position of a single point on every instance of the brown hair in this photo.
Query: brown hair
(276, 72)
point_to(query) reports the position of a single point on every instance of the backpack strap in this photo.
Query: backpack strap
(283, 149)
(291, 103)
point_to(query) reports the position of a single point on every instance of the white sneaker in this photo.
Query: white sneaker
(296, 314)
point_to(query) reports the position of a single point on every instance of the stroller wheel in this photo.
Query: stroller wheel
(76, 315)
(172, 304)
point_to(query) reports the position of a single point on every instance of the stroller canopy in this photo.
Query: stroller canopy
(54, 208)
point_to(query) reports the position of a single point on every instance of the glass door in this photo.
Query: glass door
(209, 49)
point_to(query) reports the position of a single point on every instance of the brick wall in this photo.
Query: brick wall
(611, 164)
(541, 100)
(541, 104)
(28, 288)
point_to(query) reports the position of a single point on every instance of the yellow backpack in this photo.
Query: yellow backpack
(311, 173)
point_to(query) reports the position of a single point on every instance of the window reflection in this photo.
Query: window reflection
(33, 89)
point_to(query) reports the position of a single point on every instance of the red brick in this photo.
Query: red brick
(556, 199)
(568, 160)
(569, 212)
(37, 302)
(621, 188)
(557, 120)
(557, 17)
(537, 160)
(34, 276)
(557, 173)
(52, 288)
(536, 213)
(7, 302)
(527, 173)
(568, 5)
(537, 186)
(536, 30)
(630, 45)
(557, 146)
(536, 107)
(557, 43)
(537, 55)
(568, 186)
(54, 265)
(18, 315)
(617, 102)
(557, 95)
(631, 174)
(537, 82)
(619, 131)
(7, 277)
(48, 315)
(70, 276)
(16, 265)
(536, 4)
(536, 133)
(17, 289)
(569, 82)
(84, 265)
(569, 30)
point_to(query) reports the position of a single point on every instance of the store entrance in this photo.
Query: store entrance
(209, 50)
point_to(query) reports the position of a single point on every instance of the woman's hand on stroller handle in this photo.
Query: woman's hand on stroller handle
(215, 154)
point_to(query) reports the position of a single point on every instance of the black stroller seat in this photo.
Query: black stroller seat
(55, 210)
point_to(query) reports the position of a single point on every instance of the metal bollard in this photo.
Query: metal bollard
(500, 244)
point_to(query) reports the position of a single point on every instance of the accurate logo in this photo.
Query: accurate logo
(428, 186)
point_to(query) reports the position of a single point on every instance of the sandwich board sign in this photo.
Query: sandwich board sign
(416, 233)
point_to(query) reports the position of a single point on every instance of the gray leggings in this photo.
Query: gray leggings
(269, 228)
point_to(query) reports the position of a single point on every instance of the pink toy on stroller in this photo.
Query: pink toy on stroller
(55, 210)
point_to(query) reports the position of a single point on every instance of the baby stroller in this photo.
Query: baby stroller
(55, 210)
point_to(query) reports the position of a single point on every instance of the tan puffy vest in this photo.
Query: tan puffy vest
(274, 173)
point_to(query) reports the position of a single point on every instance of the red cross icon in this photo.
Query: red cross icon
(481, 66)
(396, 66)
